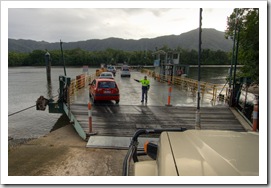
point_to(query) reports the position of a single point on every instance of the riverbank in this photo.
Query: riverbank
(62, 153)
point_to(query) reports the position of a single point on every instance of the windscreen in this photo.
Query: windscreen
(106, 84)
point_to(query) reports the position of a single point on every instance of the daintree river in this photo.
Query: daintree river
(26, 84)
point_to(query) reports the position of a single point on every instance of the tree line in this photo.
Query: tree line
(79, 57)
(243, 28)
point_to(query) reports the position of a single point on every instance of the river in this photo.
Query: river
(26, 84)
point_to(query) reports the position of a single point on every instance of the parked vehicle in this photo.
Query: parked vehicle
(125, 72)
(104, 90)
(196, 153)
(108, 75)
(112, 69)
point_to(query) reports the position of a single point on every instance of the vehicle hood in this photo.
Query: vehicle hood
(215, 153)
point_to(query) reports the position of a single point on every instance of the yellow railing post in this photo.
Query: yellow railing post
(214, 93)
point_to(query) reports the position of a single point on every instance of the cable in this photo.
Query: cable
(21, 110)
(223, 87)
(25, 109)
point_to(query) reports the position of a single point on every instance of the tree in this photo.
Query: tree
(16, 59)
(79, 57)
(189, 57)
(247, 21)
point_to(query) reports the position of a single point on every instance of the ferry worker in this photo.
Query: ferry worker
(145, 88)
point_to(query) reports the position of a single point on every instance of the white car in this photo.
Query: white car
(106, 75)
(112, 69)
(125, 72)
(196, 153)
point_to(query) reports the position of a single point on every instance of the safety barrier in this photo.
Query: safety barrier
(188, 83)
(99, 71)
(80, 82)
(72, 89)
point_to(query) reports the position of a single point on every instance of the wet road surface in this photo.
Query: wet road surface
(123, 119)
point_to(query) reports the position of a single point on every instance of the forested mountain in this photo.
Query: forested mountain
(211, 39)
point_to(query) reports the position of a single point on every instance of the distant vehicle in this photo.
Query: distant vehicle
(108, 75)
(104, 90)
(196, 153)
(125, 72)
(112, 69)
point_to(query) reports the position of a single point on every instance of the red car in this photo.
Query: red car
(104, 90)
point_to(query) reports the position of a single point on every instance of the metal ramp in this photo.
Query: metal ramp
(116, 124)
(112, 142)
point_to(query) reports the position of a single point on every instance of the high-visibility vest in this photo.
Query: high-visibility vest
(145, 82)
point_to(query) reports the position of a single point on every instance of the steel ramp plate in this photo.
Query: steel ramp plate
(112, 142)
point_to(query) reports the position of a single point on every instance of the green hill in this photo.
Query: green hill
(211, 39)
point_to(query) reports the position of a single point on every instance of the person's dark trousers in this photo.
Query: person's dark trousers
(144, 92)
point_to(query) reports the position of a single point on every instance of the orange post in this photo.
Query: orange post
(169, 96)
(255, 114)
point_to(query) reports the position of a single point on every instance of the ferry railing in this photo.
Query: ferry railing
(80, 82)
(189, 84)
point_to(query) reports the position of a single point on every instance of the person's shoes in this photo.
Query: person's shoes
(142, 101)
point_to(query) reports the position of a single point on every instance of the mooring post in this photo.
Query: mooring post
(48, 74)
(48, 66)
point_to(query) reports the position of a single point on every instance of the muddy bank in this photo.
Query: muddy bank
(62, 153)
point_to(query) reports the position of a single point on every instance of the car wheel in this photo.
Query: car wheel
(117, 101)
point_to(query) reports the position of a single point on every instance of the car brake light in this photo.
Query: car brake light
(151, 149)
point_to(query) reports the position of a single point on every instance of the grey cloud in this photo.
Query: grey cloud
(52, 24)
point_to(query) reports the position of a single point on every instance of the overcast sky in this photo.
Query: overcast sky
(77, 24)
